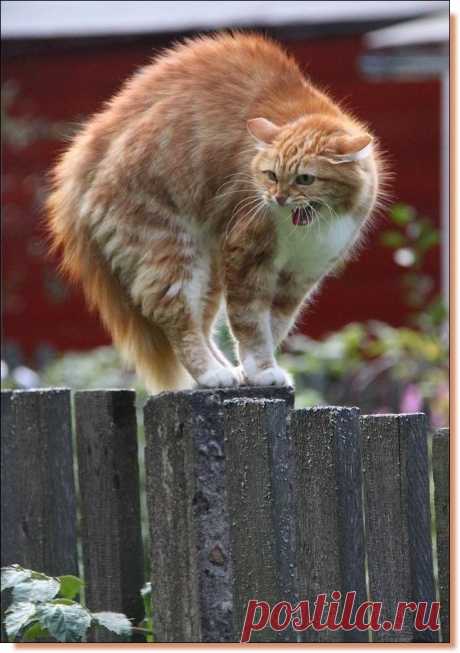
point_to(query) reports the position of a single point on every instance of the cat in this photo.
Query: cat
(217, 175)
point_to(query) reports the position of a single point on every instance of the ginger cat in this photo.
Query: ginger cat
(218, 173)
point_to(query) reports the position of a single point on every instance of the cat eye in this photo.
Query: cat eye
(305, 180)
(270, 174)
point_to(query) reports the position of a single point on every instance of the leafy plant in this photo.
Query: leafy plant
(411, 238)
(375, 366)
(45, 606)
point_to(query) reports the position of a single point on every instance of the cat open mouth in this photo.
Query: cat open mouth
(305, 215)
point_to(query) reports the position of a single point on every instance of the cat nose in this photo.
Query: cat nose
(281, 200)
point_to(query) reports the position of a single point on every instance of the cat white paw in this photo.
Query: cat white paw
(271, 376)
(221, 377)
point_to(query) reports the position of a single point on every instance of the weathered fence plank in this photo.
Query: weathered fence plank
(110, 506)
(8, 529)
(37, 481)
(38, 514)
(258, 483)
(189, 525)
(441, 478)
(396, 491)
(328, 486)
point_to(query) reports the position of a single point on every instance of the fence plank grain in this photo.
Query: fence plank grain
(441, 478)
(8, 494)
(330, 535)
(396, 485)
(189, 526)
(38, 506)
(38, 491)
(110, 506)
(258, 483)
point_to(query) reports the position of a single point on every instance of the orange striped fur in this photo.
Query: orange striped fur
(182, 193)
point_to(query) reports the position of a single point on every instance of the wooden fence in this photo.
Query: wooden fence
(247, 499)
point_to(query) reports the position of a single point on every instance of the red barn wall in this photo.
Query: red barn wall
(65, 85)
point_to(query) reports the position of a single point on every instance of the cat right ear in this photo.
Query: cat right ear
(262, 130)
(345, 149)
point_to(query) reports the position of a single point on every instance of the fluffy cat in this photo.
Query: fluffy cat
(218, 172)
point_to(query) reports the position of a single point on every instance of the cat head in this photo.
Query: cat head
(314, 161)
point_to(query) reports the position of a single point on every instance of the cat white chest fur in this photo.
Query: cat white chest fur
(311, 250)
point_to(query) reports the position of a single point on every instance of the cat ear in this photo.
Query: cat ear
(345, 149)
(263, 130)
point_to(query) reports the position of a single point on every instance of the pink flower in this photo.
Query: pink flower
(411, 400)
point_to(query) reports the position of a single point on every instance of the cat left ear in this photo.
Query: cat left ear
(263, 130)
(345, 149)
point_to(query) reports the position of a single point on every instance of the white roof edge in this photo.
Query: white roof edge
(431, 29)
(41, 19)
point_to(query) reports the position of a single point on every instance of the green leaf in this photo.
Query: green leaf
(67, 623)
(17, 616)
(116, 622)
(34, 632)
(36, 590)
(13, 575)
(64, 601)
(402, 214)
(70, 586)
(428, 240)
(392, 239)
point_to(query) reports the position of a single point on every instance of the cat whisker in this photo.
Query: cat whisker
(231, 192)
(332, 212)
(238, 211)
(238, 186)
(247, 222)
(253, 196)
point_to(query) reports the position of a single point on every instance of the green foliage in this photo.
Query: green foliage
(412, 237)
(35, 632)
(11, 576)
(116, 622)
(100, 368)
(36, 590)
(43, 607)
(17, 616)
(392, 239)
(402, 214)
(226, 343)
(66, 623)
(365, 363)
(70, 586)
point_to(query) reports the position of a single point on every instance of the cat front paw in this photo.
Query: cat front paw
(271, 376)
(220, 377)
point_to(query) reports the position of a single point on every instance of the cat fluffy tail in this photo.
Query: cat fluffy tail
(139, 341)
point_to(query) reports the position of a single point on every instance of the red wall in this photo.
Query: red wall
(66, 85)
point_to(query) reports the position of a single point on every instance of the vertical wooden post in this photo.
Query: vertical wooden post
(261, 512)
(397, 509)
(38, 513)
(189, 525)
(8, 494)
(440, 457)
(110, 506)
(37, 481)
(330, 530)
